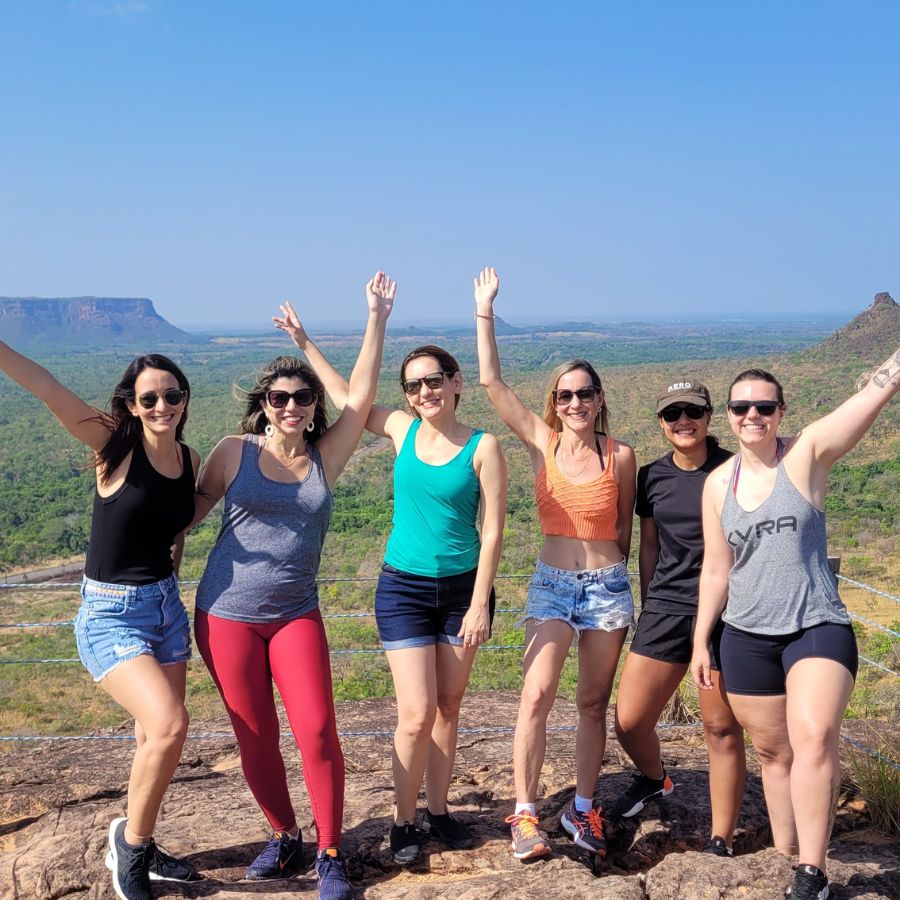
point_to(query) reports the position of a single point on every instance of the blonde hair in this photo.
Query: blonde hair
(550, 416)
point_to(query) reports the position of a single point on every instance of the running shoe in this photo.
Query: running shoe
(718, 847)
(810, 883)
(642, 790)
(527, 841)
(406, 843)
(332, 876)
(585, 829)
(280, 858)
(451, 831)
(163, 867)
(130, 865)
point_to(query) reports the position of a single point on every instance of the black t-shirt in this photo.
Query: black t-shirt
(672, 498)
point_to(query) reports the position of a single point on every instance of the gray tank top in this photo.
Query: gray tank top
(780, 581)
(263, 567)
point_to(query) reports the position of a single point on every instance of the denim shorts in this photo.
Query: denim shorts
(418, 610)
(587, 600)
(119, 622)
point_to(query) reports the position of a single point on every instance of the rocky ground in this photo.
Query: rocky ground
(57, 799)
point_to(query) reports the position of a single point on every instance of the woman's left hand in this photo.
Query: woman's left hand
(476, 627)
(380, 293)
(289, 322)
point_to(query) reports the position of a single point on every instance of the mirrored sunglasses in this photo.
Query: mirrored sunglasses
(414, 385)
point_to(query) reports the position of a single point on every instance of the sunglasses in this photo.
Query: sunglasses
(673, 413)
(413, 385)
(763, 407)
(585, 395)
(173, 396)
(279, 399)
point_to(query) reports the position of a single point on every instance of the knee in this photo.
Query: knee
(815, 742)
(536, 701)
(593, 707)
(415, 723)
(775, 755)
(170, 729)
(448, 704)
(723, 733)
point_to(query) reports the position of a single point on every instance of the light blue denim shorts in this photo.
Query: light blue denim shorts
(587, 600)
(119, 622)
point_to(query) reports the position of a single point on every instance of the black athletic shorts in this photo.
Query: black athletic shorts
(669, 638)
(759, 663)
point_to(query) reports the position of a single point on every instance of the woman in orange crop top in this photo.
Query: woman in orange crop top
(584, 489)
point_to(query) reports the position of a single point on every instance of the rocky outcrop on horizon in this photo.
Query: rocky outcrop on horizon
(873, 333)
(85, 322)
(56, 801)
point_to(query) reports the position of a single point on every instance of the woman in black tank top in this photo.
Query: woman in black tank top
(144, 502)
(788, 651)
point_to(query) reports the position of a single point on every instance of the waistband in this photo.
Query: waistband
(124, 590)
(580, 574)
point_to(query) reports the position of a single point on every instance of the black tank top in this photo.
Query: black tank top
(133, 530)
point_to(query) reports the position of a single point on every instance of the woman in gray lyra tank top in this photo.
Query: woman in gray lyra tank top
(258, 618)
(788, 651)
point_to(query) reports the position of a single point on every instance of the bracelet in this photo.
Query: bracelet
(478, 315)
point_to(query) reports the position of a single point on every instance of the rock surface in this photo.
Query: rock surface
(56, 801)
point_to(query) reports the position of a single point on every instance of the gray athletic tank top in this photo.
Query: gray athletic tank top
(263, 567)
(780, 581)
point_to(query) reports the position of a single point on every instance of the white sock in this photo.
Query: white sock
(584, 804)
(525, 808)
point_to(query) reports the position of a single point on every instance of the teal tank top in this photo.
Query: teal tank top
(435, 511)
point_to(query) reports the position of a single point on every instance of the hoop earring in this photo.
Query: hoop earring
(311, 426)
(269, 430)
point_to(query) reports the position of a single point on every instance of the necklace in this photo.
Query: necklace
(584, 465)
(292, 461)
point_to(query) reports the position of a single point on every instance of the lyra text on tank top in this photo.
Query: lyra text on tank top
(774, 527)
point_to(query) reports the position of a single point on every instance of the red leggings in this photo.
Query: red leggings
(243, 660)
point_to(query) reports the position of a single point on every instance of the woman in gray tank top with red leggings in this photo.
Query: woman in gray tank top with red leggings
(788, 652)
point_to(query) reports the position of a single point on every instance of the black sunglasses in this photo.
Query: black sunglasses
(279, 399)
(173, 396)
(673, 413)
(434, 381)
(585, 395)
(763, 407)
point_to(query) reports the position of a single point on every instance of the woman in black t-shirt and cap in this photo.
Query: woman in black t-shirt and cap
(669, 503)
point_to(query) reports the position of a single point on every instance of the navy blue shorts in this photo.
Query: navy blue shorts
(669, 637)
(759, 663)
(418, 610)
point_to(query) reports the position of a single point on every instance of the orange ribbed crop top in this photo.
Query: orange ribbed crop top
(587, 511)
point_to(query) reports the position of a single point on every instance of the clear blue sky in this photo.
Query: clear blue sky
(612, 160)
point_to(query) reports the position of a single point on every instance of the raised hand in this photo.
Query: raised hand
(289, 322)
(380, 293)
(487, 284)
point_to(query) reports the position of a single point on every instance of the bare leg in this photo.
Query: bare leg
(598, 658)
(727, 759)
(764, 718)
(646, 686)
(413, 670)
(817, 694)
(453, 667)
(154, 695)
(546, 647)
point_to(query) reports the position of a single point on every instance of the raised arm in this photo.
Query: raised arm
(528, 427)
(490, 466)
(80, 419)
(340, 440)
(717, 562)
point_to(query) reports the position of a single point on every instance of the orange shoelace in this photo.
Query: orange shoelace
(524, 821)
(595, 820)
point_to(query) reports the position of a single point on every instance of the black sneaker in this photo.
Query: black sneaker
(406, 843)
(332, 877)
(718, 847)
(447, 829)
(130, 865)
(280, 858)
(810, 883)
(641, 791)
(164, 867)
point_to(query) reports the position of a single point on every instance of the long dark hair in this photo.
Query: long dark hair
(126, 429)
(550, 416)
(447, 362)
(254, 420)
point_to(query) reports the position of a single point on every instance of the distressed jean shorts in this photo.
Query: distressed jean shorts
(587, 600)
(119, 622)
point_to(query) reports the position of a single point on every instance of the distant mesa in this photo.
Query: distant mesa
(86, 322)
(874, 333)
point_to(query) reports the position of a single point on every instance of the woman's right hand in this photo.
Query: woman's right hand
(289, 322)
(700, 669)
(380, 293)
(487, 285)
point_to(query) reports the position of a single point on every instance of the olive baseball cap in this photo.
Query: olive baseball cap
(683, 390)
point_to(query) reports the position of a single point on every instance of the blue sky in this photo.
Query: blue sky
(612, 160)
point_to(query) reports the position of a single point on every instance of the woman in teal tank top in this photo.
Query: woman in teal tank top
(434, 601)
